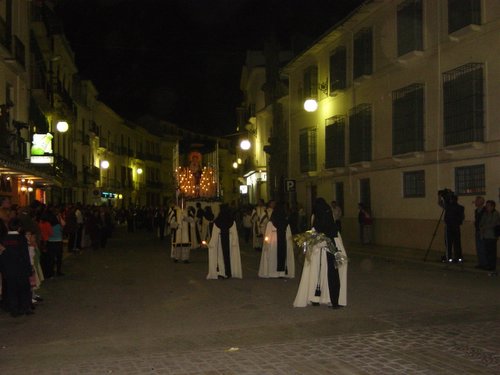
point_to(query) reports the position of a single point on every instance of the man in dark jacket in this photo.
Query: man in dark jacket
(16, 268)
(453, 218)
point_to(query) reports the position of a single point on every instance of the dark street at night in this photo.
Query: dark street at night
(128, 309)
(178, 179)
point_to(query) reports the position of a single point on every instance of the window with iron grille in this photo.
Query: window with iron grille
(363, 53)
(414, 184)
(463, 105)
(408, 119)
(310, 82)
(307, 146)
(360, 133)
(338, 69)
(470, 180)
(463, 13)
(335, 142)
(409, 23)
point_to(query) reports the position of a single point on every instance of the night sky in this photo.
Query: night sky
(181, 60)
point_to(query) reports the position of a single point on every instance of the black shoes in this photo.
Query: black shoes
(17, 314)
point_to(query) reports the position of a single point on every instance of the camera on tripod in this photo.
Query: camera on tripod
(445, 197)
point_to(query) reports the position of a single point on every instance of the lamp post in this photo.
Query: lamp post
(62, 159)
(105, 168)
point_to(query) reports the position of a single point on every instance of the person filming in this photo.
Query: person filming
(453, 218)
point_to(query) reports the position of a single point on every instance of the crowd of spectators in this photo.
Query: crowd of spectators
(32, 243)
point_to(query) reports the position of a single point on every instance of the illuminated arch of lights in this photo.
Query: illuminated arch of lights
(189, 187)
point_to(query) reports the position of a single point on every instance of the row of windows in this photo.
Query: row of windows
(463, 121)
(410, 29)
(469, 180)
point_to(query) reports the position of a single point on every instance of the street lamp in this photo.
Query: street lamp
(311, 105)
(104, 164)
(245, 144)
(62, 126)
(139, 170)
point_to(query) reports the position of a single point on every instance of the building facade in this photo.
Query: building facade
(406, 93)
(58, 142)
(263, 121)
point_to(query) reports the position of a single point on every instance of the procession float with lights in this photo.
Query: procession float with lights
(196, 174)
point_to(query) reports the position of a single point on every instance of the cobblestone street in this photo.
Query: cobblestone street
(128, 309)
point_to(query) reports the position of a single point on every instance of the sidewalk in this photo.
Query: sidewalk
(411, 255)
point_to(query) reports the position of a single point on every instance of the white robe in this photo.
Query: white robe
(269, 257)
(205, 230)
(181, 241)
(259, 220)
(311, 272)
(216, 258)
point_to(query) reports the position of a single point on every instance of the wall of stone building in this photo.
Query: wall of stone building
(410, 234)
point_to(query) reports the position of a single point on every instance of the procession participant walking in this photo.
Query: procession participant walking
(259, 220)
(207, 225)
(324, 276)
(277, 259)
(224, 259)
(180, 223)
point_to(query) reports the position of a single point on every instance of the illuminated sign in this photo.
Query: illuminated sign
(243, 189)
(42, 144)
(41, 149)
(108, 195)
(42, 159)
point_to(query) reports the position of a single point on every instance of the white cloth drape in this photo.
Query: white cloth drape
(269, 257)
(216, 258)
(316, 268)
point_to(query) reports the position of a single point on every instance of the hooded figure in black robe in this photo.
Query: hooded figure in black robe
(322, 221)
(224, 222)
(280, 222)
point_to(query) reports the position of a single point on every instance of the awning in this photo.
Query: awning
(19, 169)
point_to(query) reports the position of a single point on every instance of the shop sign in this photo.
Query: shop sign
(41, 149)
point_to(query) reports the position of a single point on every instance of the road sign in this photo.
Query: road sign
(290, 186)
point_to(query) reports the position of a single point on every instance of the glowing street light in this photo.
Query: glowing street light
(245, 145)
(104, 164)
(62, 126)
(311, 105)
(139, 170)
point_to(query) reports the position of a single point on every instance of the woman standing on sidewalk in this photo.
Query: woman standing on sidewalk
(55, 243)
(324, 276)
(489, 220)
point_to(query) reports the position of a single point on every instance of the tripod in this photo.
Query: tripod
(434, 235)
